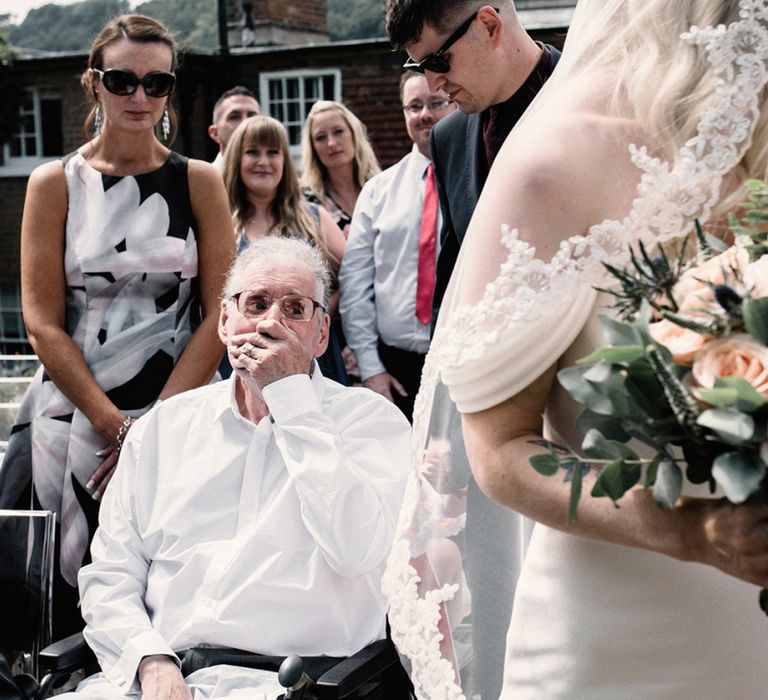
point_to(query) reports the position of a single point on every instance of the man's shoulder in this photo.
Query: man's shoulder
(383, 186)
(350, 399)
(180, 406)
(448, 126)
(386, 176)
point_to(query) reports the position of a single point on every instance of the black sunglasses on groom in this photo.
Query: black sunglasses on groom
(435, 62)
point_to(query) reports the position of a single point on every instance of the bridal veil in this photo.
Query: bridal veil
(685, 80)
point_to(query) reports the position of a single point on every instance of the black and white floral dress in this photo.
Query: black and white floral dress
(131, 304)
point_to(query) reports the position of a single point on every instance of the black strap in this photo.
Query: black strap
(202, 657)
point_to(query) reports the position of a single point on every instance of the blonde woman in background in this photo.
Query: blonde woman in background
(338, 159)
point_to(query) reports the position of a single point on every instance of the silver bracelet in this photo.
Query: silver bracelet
(121, 433)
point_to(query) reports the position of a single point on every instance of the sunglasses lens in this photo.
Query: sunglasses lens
(437, 64)
(158, 84)
(120, 82)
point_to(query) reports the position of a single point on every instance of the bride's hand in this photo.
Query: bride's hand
(735, 537)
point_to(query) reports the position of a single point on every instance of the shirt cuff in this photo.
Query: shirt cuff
(290, 397)
(369, 362)
(123, 674)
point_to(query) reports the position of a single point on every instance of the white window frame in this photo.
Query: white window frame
(24, 165)
(10, 304)
(269, 107)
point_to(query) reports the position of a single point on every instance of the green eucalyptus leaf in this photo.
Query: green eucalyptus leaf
(738, 474)
(653, 468)
(730, 425)
(615, 479)
(734, 392)
(545, 463)
(609, 425)
(587, 393)
(668, 485)
(596, 445)
(573, 501)
(622, 355)
(755, 314)
(618, 333)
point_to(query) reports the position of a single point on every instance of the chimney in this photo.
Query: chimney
(276, 22)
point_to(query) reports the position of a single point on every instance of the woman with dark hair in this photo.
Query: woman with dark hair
(124, 247)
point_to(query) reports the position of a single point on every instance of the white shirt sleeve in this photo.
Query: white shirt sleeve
(349, 468)
(357, 304)
(112, 588)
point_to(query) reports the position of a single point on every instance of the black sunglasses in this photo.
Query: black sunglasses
(124, 82)
(435, 61)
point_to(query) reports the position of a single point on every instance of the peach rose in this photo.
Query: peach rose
(735, 356)
(756, 278)
(681, 342)
(692, 293)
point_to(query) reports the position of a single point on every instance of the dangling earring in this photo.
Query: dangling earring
(166, 124)
(98, 121)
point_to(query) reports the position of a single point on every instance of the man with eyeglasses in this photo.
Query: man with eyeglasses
(254, 513)
(387, 273)
(480, 55)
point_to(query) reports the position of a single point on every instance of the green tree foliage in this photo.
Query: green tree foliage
(65, 27)
(72, 27)
(361, 19)
(195, 21)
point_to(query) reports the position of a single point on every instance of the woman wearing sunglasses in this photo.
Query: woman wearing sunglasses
(124, 246)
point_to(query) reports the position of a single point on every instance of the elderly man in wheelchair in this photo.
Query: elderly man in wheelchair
(249, 519)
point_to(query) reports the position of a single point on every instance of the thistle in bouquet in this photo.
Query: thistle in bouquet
(680, 390)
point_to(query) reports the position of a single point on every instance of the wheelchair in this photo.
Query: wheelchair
(373, 673)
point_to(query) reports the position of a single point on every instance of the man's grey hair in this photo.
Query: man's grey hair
(280, 251)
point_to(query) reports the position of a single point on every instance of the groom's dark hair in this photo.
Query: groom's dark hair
(405, 19)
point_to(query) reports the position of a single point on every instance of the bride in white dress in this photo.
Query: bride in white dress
(647, 124)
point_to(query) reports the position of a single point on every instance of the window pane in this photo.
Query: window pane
(294, 134)
(51, 122)
(311, 91)
(294, 112)
(292, 86)
(329, 86)
(275, 89)
(30, 146)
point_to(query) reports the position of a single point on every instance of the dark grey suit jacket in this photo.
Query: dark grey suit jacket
(461, 168)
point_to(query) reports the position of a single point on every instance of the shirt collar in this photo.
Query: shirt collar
(228, 404)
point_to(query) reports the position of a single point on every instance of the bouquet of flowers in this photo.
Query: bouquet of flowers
(684, 373)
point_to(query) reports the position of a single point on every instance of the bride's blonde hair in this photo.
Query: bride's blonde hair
(638, 38)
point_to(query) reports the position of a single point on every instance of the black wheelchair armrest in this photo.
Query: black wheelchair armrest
(351, 673)
(60, 659)
(66, 655)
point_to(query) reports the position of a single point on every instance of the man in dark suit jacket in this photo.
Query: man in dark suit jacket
(487, 63)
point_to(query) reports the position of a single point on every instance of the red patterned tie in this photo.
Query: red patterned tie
(425, 281)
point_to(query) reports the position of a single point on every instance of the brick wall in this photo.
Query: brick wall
(304, 14)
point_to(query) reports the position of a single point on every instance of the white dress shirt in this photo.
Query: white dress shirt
(268, 537)
(379, 268)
